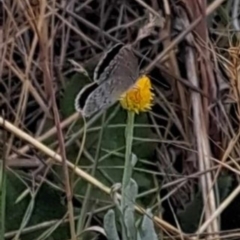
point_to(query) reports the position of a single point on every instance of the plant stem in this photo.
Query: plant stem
(127, 173)
(128, 153)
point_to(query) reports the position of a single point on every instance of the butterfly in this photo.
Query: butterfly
(116, 72)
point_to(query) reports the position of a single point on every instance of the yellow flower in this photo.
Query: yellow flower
(140, 97)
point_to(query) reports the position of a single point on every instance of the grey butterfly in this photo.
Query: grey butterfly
(115, 73)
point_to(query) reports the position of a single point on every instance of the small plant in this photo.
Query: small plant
(129, 229)
(126, 207)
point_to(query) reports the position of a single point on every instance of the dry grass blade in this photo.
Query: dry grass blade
(187, 145)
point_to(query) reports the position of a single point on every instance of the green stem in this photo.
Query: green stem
(127, 173)
(128, 153)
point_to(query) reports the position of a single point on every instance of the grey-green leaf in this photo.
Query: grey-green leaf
(130, 223)
(131, 194)
(147, 230)
(110, 225)
(134, 160)
(130, 198)
(138, 236)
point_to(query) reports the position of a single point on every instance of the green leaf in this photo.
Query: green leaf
(15, 211)
(46, 207)
(131, 194)
(26, 218)
(147, 230)
(129, 220)
(190, 216)
(224, 184)
(73, 87)
(138, 236)
(110, 225)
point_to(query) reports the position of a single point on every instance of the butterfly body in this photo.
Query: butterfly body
(116, 72)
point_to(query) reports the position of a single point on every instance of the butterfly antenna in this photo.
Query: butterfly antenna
(139, 67)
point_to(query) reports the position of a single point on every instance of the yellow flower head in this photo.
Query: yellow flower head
(140, 97)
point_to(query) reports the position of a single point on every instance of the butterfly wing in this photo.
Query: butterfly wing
(127, 69)
(111, 84)
(107, 64)
(100, 99)
(83, 95)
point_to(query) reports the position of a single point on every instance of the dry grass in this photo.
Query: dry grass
(194, 67)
